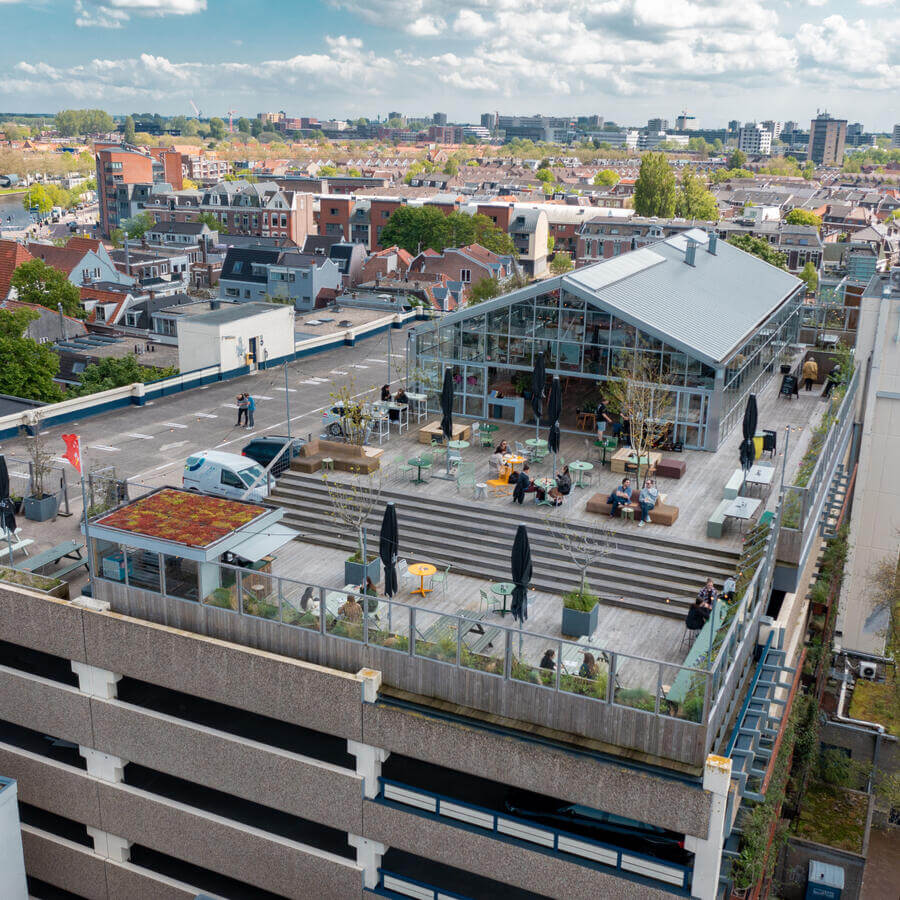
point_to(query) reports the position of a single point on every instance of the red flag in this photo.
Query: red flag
(73, 450)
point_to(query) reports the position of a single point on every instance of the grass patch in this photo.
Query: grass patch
(876, 702)
(28, 579)
(833, 816)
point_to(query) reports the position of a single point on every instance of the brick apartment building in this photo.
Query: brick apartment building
(118, 167)
(202, 167)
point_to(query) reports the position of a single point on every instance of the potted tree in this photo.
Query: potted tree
(352, 502)
(39, 505)
(580, 612)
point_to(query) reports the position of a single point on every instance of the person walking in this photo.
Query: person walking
(241, 401)
(251, 408)
(810, 373)
(832, 381)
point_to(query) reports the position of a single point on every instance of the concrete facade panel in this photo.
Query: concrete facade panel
(127, 882)
(51, 785)
(41, 623)
(512, 864)
(569, 775)
(45, 705)
(63, 863)
(251, 679)
(258, 772)
(249, 855)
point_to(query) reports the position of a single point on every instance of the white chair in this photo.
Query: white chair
(454, 457)
(403, 571)
(522, 450)
(13, 542)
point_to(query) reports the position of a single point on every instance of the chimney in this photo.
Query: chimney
(690, 252)
(713, 242)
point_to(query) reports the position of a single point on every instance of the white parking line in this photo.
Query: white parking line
(173, 425)
(104, 447)
(289, 390)
(135, 434)
(172, 446)
(206, 416)
(357, 366)
(368, 359)
(337, 372)
(230, 405)
(261, 397)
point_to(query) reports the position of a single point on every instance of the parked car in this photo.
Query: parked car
(223, 474)
(333, 423)
(264, 449)
(619, 831)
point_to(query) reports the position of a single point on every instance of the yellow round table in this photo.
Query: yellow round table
(422, 570)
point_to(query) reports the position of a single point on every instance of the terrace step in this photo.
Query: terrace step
(646, 573)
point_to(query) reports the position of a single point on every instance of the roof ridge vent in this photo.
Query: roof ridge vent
(690, 251)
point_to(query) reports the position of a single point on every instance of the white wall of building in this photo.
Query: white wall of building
(12, 862)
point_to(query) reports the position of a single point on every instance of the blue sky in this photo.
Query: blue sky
(625, 59)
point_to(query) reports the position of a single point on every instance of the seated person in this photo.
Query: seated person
(648, 498)
(707, 593)
(524, 485)
(502, 448)
(385, 393)
(621, 496)
(351, 610)
(588, 667)
(548, 661)
(370, 590)
(401, 398)
(696, 616)
(563, 486)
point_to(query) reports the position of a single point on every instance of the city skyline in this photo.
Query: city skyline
(627, 60)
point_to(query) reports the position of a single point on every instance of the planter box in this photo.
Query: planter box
(40, 510)
(355, 573)
(578, 623)
(39, 584)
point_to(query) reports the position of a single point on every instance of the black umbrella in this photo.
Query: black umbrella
(447, 405)
(554, 411)
(7, 519)
(521, 574)
(748, 448)
(387, 549)
(538, 377)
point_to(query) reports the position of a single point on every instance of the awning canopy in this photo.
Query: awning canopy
(256, 546)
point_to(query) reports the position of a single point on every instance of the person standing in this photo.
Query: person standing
(241, 400)
(251, 408)
(833, 379)
(810, 373)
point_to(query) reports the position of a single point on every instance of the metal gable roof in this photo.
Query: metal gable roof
(708, 308)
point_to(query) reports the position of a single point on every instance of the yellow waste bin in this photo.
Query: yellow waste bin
(758, 444)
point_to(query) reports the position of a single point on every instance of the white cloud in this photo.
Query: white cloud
(471, 23)
(815, 2)
(426, 26)
(115, 13)
(876, 2)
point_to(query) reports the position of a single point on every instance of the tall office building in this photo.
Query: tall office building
(895, 140)
(489, 121)
(774, 127)
(827, 137)
(439, 118)
(685, 122)
(734, 125)
(755, 140)
(657, 124)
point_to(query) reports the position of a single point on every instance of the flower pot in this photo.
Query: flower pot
(40, 509)
(356, 572)
(578, 623)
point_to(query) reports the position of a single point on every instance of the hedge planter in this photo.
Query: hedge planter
(40, 584)
(575, 622)
(356, 572)
(40, 509)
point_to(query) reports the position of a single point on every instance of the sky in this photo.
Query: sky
(626, 60)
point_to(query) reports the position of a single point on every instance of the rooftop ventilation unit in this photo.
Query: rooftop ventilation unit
(690, 252)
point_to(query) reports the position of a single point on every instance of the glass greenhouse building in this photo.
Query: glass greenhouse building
(716, 320)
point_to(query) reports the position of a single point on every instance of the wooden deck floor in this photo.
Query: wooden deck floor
(619, 630)
(696, 494)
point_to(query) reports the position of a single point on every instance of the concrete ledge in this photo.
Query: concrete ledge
(45, 705)
(278, 778)
(41, 623)
(263, 682)
(63, 863)
(532, 765)
(129, 882)
(531, 870)
(52, 785)
(253, 856)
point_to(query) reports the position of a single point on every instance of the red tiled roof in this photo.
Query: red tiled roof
(84, 244)
(61, 258)
(12, 255)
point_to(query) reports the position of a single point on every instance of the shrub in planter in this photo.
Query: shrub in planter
(222, 597)
(580, 613)
(355, 572)
(44, 584)
(481, 662)
(586, 687)
(637, 698)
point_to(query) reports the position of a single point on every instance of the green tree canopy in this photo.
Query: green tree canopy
(561, 263)
(112, 373)
(325, 171)
(243, 125)
(138, 225)
(216, 128)
(803, 217)
(36, 197)
(759, 247)
(808, 170)
(484, 289)
(36, 282)
(72, 122)
(545, 175)
(809, 274)
(28, 367)
(694, 201)
(737, 159)
(414, 227)
(654, 190)
(211, 222)
(606, 178)
(721, 175)
(129, 130)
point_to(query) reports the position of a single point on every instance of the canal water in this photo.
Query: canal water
(11, 206)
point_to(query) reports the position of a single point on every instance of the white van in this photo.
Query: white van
(224, 474)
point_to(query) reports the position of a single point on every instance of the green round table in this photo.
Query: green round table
(503, 589)
(458, 445)
(489, 427)
(420, 463)
(536, 443)
(580, 467)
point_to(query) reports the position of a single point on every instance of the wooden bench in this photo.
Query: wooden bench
(65, 550)
(344, 457)
(716, 522)
(432, 432)
(733, 487)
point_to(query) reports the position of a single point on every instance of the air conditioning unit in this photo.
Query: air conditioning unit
(867, 670)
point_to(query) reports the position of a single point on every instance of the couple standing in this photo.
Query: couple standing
(246, 406)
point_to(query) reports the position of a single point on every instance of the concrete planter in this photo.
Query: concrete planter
(355, 573)
(40, 509)
(578, 623)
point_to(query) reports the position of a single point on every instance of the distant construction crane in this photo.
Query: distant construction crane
(197, 112)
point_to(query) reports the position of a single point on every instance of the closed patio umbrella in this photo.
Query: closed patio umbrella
(538, 377)
(7, 519)
(521, 574)
(387, 548)
(554, 411)
(748, 448)
(447, 410)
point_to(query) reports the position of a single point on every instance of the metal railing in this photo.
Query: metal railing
(584, 850)
(829, 318)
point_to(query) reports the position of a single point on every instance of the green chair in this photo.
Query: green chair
(441, 579)
(465, 475)
(488, 601)
(486, 439)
